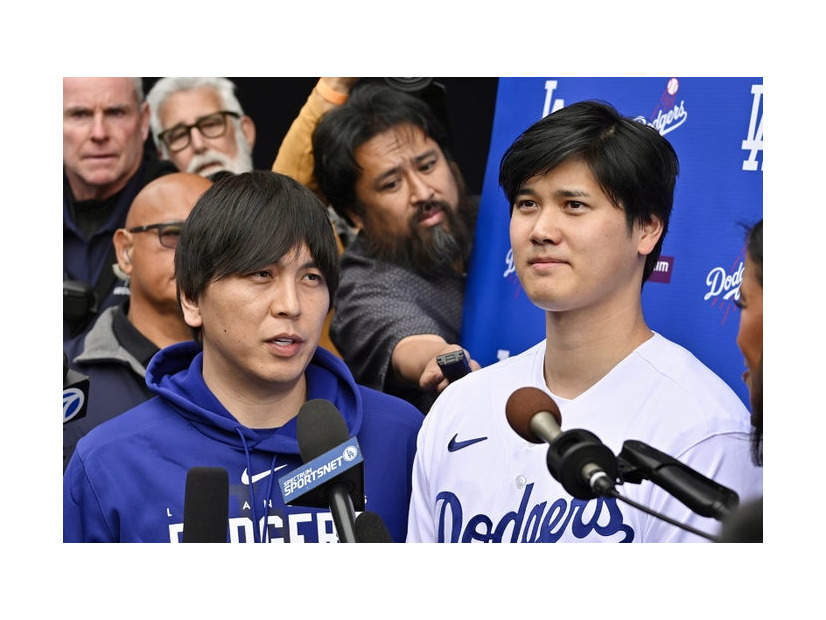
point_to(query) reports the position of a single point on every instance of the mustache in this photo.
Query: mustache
(431, 250)
(425, 208)
(207, 158)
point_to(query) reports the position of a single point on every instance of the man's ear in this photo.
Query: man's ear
(457, 174)
(191, 311)
(123, 242)
(248, 128)
(358, 221)
(145, 118)
(650, 233)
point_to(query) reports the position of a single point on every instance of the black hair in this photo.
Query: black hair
(634, 165)
(372, 108)
(754, 247)
(756, 397)
(247, 221)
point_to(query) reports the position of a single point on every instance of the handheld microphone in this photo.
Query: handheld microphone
(371, 529)
(206, 505)
(75, 392)
(584, 466)
(334, 476)
(704, 496)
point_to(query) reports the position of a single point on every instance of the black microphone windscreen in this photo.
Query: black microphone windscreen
(371, 529)
(320, 427)
(525, 403)
(206, 505)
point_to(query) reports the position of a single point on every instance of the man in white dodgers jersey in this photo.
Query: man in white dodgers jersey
(591, 194)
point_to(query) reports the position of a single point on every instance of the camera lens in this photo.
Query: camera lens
(409, 84)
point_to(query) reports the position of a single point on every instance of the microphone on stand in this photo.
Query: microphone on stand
(584, 466)
(640, 461)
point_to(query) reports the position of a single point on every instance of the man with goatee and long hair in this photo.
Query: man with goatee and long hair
(382, 161)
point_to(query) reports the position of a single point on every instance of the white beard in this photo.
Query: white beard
(218, 161)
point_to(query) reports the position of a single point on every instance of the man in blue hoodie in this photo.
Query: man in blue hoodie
(256, 267)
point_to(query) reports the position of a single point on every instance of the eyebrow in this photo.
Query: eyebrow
(195, 122)
(564, 193)
(310, 263)
(118, 107)
(396, 169)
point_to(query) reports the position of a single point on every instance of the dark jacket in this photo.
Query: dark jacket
(114, 355)
(89, 259)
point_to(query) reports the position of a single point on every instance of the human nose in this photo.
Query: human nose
(99, 128)
(420, 189)
(545, 227)
(286, 300)
(197, 140)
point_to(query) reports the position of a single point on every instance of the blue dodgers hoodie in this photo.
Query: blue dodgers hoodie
(126, 481)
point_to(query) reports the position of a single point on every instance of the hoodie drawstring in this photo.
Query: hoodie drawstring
(258, 536)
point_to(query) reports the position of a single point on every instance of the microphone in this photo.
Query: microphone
(206, 505)
(704, 496)
(371, 529)
(333, 476)
(584, 466)
(75, 392)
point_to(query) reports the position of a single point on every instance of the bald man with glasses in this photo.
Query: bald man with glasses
(114, 353)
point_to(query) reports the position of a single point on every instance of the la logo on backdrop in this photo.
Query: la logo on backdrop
(716, 127)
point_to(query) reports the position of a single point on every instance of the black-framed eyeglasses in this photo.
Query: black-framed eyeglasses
(168, 232)
(213, 125)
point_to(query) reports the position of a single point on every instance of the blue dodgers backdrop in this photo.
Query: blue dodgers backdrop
(716, 127)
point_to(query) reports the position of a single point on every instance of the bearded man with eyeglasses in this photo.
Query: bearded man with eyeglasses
(115, 351)
(198, 124)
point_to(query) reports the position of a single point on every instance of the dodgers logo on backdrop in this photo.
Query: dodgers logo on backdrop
(551, 105)
(509, 266)
(754, 140)
(510, 274)
(668, 114)
(724, 286)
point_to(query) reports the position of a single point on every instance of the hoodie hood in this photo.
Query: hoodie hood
(175, 374)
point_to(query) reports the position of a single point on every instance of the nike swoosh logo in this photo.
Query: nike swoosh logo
(454, 445)
(245, 479)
